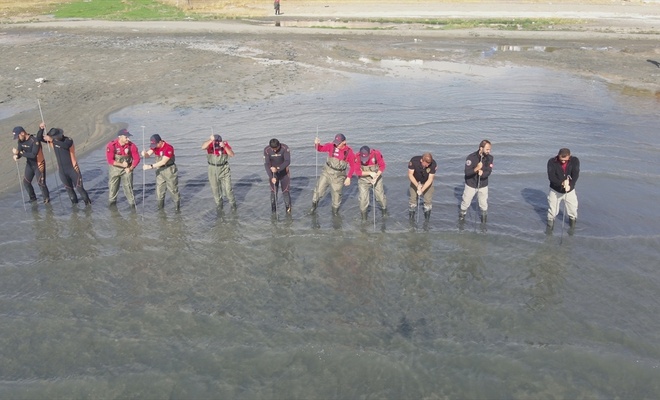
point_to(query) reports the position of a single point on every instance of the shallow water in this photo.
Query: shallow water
(109, 304)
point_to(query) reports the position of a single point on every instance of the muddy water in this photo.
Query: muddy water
(118, 303)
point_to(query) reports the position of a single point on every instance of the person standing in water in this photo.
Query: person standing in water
(65, 153)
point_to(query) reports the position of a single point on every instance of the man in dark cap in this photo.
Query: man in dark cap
(563, 173)
(65, 153)
(217, 156)
(123, 157)
(167, 177)
(336, 173)
(276, 161)
(421, 171)
(478, 167)
(369, 165)
(29, 147)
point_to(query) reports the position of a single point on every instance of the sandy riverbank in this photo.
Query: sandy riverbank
(92, 68)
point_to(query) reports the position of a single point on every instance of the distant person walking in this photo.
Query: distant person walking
(29, 146)
(421, 171)
(563, 173)
(478, 167)
(277, 159)
(277, 7)
(369, 166)
(65, 153)
(123, 157)
(167, 177)
(336, 173)
(217, 156)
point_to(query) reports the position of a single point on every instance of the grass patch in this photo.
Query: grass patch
(119, 10)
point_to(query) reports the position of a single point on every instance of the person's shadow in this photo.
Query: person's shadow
(538, 200)
(242, 186)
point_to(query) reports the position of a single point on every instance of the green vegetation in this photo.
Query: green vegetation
(119, 10)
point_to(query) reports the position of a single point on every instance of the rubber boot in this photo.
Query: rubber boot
(384, 211)
(411, 214)
(550, 225)
(273, 207)
(364, 215)
(177, 205)
(335, 211)
(461, 215)
(484, 217)
(234, 207)
(427, 215)
(288, 208)
(571, 226)
(161, 204)
(72, 195)
(314, 205)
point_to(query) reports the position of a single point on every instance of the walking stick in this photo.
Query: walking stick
(563, 221)
(50, 155)
(277, 215)
(20, 183)
(373, 192)
(419, 201)
(143, 176)
(218, 189)
(481, 159)
(316, 163)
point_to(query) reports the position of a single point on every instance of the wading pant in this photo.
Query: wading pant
(468, 195)
(167, 178)
(364, 186)
(570, 199)
(427, 196)
(32, 169)
(283, 181)
(220, 181)
(117, 174)
(335, 180)
(72, 178)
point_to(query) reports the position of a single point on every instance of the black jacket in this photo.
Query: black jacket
(556, 174)
(472, 179)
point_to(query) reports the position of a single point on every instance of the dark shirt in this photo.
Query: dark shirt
(557, 175)
(62, 149)
(472, 179)
(279, 159)
(421, 174)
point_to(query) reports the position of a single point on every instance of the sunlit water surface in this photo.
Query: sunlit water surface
(116, 304)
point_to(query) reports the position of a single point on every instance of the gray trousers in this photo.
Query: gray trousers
(364, 185)
(167, 178)
(468, 195)
(115, 176)
(570, 199)
(333, 179)
(427, 196)
(220, 181)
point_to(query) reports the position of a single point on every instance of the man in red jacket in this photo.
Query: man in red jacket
(123, 157)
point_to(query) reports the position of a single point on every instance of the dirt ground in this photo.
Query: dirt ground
(91, 69)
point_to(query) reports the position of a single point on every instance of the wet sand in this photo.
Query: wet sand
(93, 68)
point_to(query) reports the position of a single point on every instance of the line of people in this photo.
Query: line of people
(341, 164)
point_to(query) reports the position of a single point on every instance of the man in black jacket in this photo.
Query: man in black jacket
(29, 147)
(563, 173)
(478, 166)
